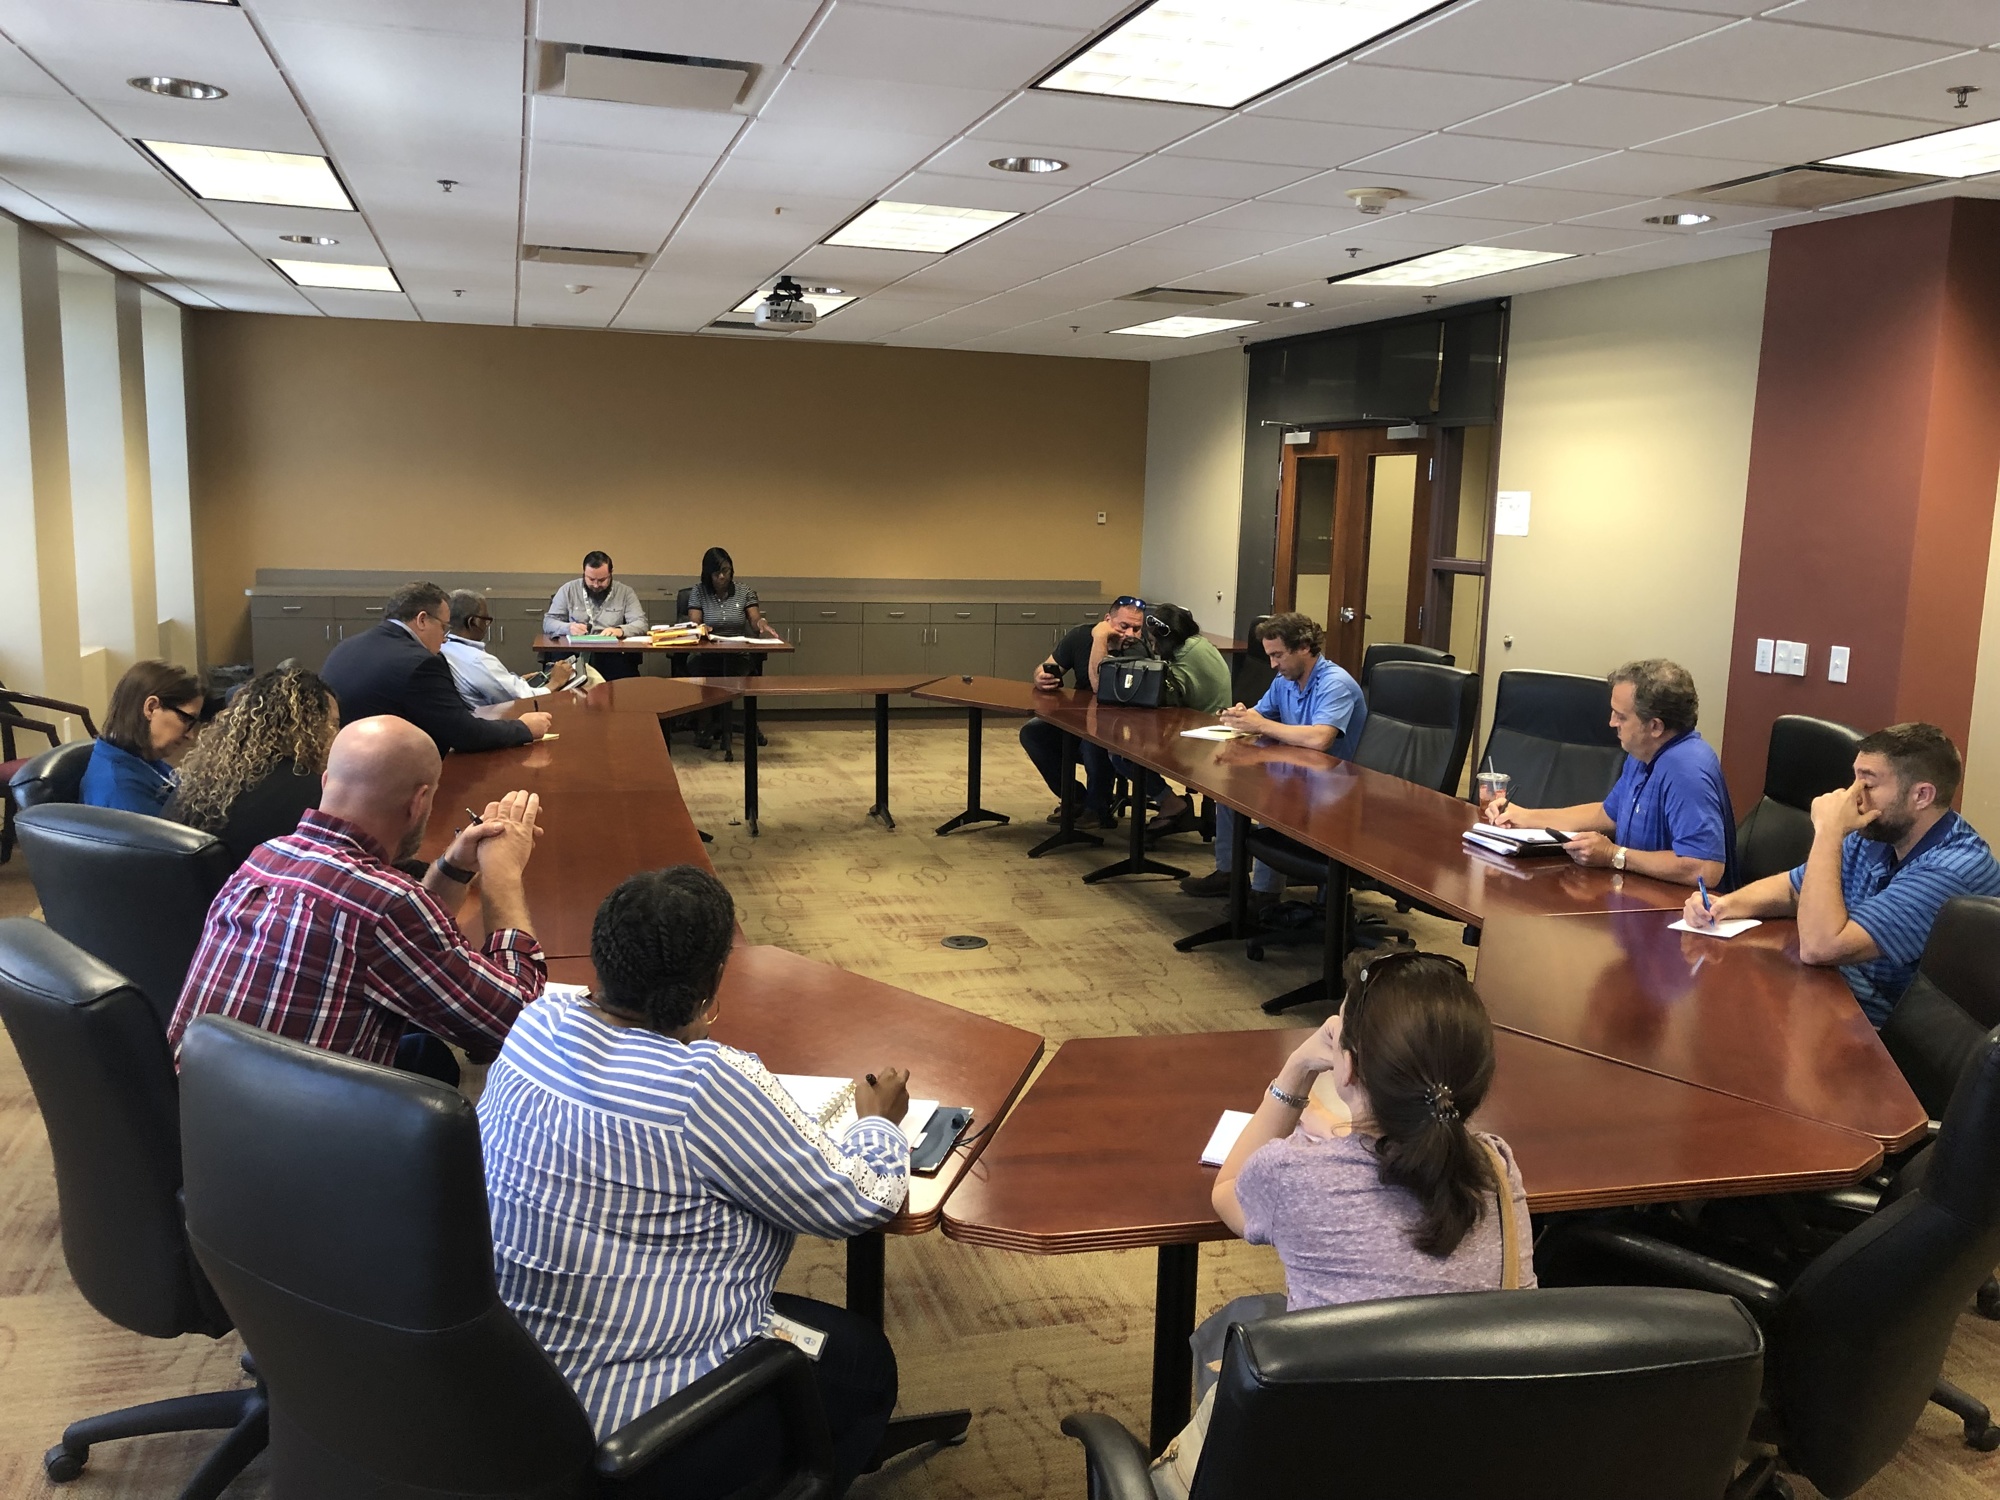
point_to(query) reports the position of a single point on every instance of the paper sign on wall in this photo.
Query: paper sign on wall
(1510, 513)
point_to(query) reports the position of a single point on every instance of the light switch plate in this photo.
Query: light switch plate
(1765, 647)
(1792, 658)
(1836, 664)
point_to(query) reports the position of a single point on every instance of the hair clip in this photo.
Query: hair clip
(1443, 1106)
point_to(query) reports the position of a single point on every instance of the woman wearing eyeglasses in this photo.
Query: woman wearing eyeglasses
(152, 709)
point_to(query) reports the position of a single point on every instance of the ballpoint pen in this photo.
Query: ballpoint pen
(1701, 883)
(474, 816)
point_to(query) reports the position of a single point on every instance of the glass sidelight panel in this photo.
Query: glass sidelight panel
(1313, 551)
(1392, 514)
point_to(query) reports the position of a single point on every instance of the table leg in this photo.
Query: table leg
(1066, 832)
(974, 734)
(749, 761)
(865, 1269)
(881, 807)
(1239, 892)
(1135, 861)
(1327, 986)
(1173, 1326)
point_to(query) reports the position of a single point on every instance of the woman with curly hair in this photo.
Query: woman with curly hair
(257, 767)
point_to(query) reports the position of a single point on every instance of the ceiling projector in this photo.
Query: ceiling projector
(786, 309)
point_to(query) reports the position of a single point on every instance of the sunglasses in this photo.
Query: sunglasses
(1374, 969)
(1128, 601)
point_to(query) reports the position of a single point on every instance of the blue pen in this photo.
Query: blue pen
(1706, 904)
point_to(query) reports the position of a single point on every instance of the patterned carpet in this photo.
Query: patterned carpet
(1021, 1340)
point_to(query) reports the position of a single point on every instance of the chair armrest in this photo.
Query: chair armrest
(19, 721)
(1675, 1265)
(763, 1366)
(9, 696)
(1114, 1464)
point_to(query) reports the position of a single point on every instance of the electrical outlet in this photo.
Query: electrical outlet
(1836, 664)
(1765, 647)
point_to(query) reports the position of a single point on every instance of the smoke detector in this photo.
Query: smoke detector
(1372, 200)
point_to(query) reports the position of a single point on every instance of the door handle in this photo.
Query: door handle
(1347, 614)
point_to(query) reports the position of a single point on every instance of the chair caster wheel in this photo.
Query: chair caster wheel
(1983, 1439)
(61, 1464)
(1988, 1300)
(1255, 953)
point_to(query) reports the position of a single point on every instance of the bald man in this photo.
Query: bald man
(319, 937)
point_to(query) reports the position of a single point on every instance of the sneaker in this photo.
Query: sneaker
(1215, 883)
(1166, 824)
(1079, 807)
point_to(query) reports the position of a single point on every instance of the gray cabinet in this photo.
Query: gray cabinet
(961, 641)
(1023, 637)
(517, 620)
(290, 627)
(895, 638)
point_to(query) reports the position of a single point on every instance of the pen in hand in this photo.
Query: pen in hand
(476, 819)
(1701, 883)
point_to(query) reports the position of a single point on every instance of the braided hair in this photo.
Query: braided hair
(659, 945)
(1422, 1046)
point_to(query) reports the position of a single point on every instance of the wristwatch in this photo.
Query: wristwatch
(1618, 859)
(451, 871)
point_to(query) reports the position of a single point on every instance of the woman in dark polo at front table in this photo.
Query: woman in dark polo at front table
(722, 606)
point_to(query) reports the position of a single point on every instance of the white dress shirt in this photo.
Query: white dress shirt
(483, 679)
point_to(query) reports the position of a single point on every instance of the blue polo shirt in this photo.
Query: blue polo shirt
(118, 778)
(1327, 696)
(1895, 902)
(1678, 801)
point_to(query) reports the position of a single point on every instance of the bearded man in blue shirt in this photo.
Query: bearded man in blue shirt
(1668, 815)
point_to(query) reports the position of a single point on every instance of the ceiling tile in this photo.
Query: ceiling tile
(1973, 23)
(1771, 62)
(901, 46)
(1707, 7)
(1438, 228)
(1155, 210)
(594, 196)
(1557, 40)
(1330, 189)
(1270, 215)
(1073, 239)
(762, 31)
(632, 127)
(1086, 15)
(1018, 191)
(829, 101)
(1051, 119)
(260, 224)
(1579, 115)
(1406, 98)
(1647, 172)
(1923, 93)
(1533, 204)
(971, 158)
(1788, 133)
(1297, 143)
(1577, 239)
(391, 307)
(1725, 216)
(464, 17)
(802, 159)
(1467, 157)
(1187, 174)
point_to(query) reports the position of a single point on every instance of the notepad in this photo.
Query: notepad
(1720, 929)
(1215, 732)
(1515, 843)
(830, 1101)
(745, 640)
(596, 637)
(1223, 1141)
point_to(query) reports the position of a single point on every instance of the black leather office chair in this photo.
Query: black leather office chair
(53, 776)
(98, 1061)
(1419, 728)
(1942, 1019)
(1806, 757)
(340, 1210)
(129, 889)
(1552, 733)
(1559, 1395)
(1386, 651)
(1857, 1338)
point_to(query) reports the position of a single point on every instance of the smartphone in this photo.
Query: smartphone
(946, 1125)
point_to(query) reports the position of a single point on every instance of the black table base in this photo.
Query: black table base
(1067, 832)
(974, 734)
(866, 1257)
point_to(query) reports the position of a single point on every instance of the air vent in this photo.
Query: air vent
(665, 80)
(1182, 296)
(1805, 187)
(577, 255)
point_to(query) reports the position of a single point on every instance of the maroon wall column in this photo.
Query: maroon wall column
(1874, 457)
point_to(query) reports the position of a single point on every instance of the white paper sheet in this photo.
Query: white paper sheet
(1223, 1141)
(1214, 732)
(1719, 930)
(815, 1093)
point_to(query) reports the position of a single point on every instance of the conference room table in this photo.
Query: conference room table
(549, 645)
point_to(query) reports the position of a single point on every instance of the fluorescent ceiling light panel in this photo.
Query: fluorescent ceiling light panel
(350, 278)
(916, 226)
(1185, 327)
(1442, 267)
(230, 175)
(822, 302)
(1968, 152)
(1224, 52)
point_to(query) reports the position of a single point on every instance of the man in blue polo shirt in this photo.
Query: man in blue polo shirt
(1668, 816)
(1311, 703)
(1887, 853)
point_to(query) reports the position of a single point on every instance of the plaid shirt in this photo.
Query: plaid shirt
(318, 938)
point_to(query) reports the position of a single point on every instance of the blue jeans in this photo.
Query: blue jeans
(1262, 876)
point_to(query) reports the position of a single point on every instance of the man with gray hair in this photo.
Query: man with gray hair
(1668, 816)
(483, 679)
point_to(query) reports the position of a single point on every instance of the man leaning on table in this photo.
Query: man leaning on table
(1887, 853)
(1668, 815)
(484, 680)
(1312, 703)
(598, 604)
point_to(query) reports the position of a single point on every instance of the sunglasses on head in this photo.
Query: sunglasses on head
(1128, 601)
(1375, 968)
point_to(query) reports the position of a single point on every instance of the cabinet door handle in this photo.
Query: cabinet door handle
(291, 609)
(897, 614)
(373, 609)
(965, 614)
(828, 614)
(532, 609)
(503, 634)
(329, 633)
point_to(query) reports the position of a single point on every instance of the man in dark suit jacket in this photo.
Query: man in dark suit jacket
(396, 669)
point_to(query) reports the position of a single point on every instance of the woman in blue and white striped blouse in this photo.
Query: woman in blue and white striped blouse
(646, 1183)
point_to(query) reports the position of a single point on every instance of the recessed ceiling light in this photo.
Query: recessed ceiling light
(1968, 152)
(1027, 164)
(230, 175)
(1223, 52)
(1683, 220)
(824, 299)
(923, 227)
(1185, 327)
(307, 239)
(1460, 263)
(328, 273)
(178, 88)
(1293, 303)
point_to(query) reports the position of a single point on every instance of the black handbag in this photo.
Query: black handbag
(1131, 682)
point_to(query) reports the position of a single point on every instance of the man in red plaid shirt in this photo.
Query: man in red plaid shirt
(319, 937)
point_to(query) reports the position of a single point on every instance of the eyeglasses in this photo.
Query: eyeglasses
(182, 714)
(1128, 601)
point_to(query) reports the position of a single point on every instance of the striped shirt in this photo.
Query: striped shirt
(645, 1194)
(1895, 902)
(319, 938)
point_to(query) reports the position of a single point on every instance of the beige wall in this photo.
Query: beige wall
(1194, 484)
(324, 443)
(1628, 412)
(1980, 800)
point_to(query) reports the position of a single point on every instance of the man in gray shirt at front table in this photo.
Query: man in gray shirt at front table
(598, 604)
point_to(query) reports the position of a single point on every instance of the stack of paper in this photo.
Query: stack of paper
(1511, 841)
(1227, 1129)
(831, 1102)
(746, 640)
(1215, 732)
(675, 635)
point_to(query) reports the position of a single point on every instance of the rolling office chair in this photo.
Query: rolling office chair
(1552, 733)
(1419, 728)
(1806, 757)
(98, 1061)
(128, 889)
(17, 712)
(1386, 651)
(1557, 1395)
(1857, 1338)
(340, 1211)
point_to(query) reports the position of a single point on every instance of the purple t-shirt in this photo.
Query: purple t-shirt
(1344, 1235)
